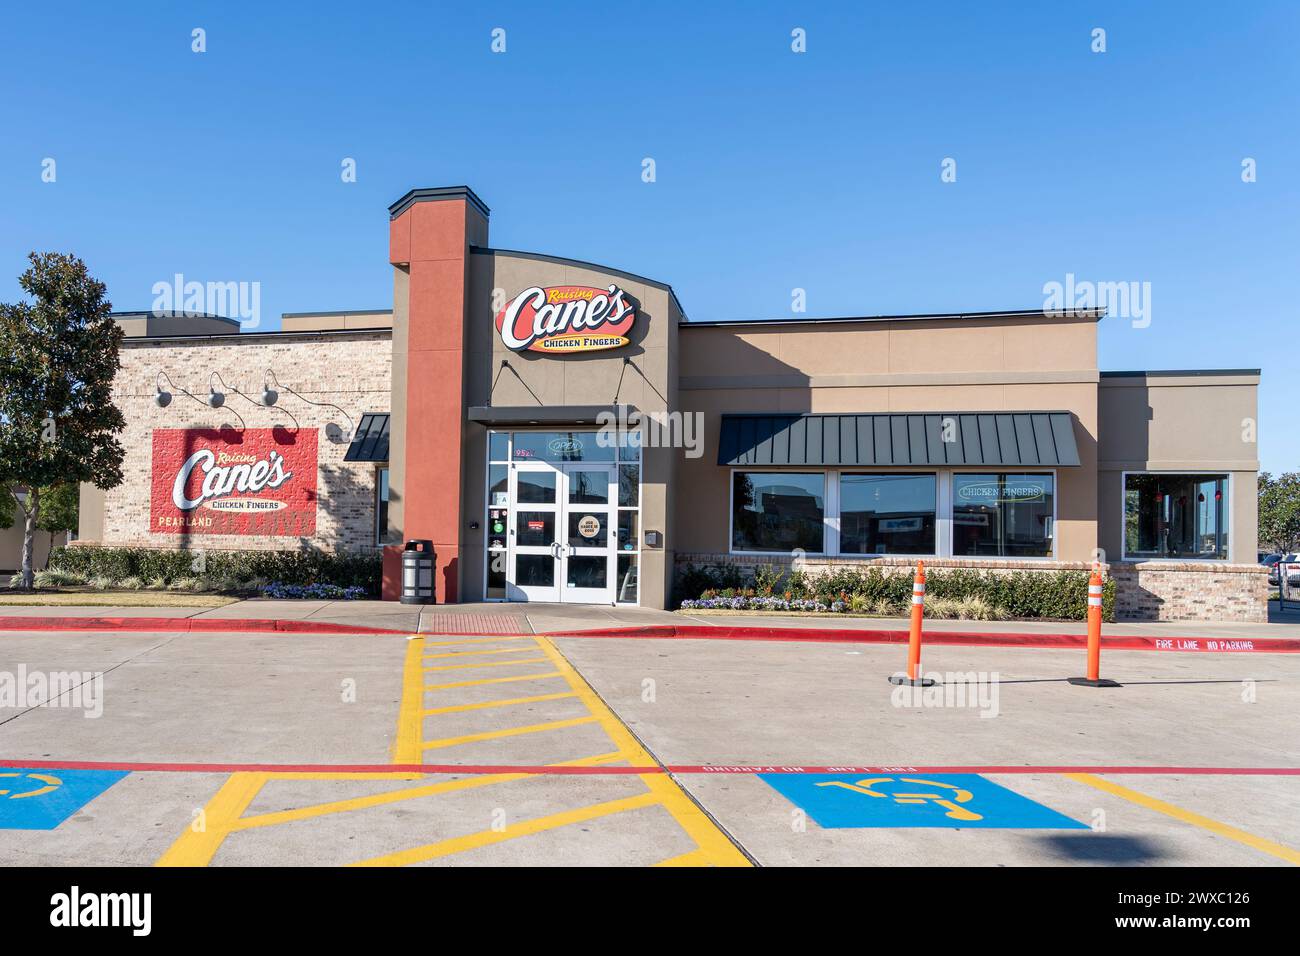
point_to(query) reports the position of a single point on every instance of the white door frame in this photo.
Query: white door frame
(572, 541)
(547, 547)
(564, 543)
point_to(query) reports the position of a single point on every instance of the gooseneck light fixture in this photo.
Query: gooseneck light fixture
(162, 398)
(216, 398)
(270, 396)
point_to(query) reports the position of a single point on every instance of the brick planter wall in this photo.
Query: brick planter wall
(1190, 591)
(1184, 591)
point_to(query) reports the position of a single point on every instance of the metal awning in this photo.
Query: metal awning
(546, 414)
(370, 443)
(986, 439)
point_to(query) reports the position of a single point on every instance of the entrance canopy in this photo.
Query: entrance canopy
(1002, 439)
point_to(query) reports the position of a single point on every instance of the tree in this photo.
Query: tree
(58, 423)
(59, 509)
(1279, 510)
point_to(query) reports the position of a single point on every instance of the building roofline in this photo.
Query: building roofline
(245, 336)
(302, 315)
(172, 314)
(582, 263)
(436, 194)
(1180, 372)
(1094, 314)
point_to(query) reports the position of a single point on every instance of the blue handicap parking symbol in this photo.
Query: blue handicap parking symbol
(955, 800)
(36, 799)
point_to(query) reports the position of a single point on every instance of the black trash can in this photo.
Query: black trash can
(417, 572)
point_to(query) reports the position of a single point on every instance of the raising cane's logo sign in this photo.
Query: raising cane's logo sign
(567, 318)
(261, 481)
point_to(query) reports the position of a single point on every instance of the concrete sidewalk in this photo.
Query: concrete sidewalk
(496, 618)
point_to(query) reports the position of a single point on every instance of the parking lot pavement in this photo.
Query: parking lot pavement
(804, 705)
(216, 720)
(519, 749)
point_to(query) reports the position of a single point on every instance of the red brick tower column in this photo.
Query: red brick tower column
(430, 233)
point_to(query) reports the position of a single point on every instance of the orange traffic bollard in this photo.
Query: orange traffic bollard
(1094, 636)
(914, 677)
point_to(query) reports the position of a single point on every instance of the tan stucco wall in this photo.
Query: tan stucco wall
(993, 364)
(11, 547)
(582, 379)
(335, 321)
(1180, 423)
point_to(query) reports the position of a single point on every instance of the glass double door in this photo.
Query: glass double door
(562, 543)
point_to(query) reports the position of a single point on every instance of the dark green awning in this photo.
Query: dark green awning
(370, 443)
(986, 439)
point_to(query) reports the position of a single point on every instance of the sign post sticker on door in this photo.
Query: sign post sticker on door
(948, 800)
(38, 799)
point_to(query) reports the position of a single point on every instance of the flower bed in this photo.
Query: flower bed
(312, 592)
(966, 593)
(744, 603)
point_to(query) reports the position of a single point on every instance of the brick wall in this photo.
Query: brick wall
(1190, 591)
(351, 370)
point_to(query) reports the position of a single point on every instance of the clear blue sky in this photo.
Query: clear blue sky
(775, 170)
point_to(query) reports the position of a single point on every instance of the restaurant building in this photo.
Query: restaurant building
(561, 432)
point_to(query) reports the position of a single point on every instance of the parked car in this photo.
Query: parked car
(1293, 573)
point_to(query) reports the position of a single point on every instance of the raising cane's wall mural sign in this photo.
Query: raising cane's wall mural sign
(261, 481)
(561, 319)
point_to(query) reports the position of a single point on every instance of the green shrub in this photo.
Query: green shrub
(942, 608)
(345, 569)
(54, 578)
(987, 595)
(130, 583)
(695, 579)
(767, 579)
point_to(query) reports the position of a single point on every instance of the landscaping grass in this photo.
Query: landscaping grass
(112, 599)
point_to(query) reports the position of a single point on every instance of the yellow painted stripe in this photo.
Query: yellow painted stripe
(406, 745)
(396, 796)
(458, 667)
(345, 775)
(1187, 816)
(492, 680)
(483, 838)
(693, 858)
(508, 732)
(717, 847)
(477, 640)
(491, 650)
(219, 816)
(460, 708)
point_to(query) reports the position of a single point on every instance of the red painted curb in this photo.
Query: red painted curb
(670, 631)
(430, 768)
(971, 638)
(185, 625)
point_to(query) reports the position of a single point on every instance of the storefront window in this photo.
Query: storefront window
(1176, 516)
(887, 514)
(1002, 515)
(381, 505)
(777, 511)
(561, 446)
(580, 489)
